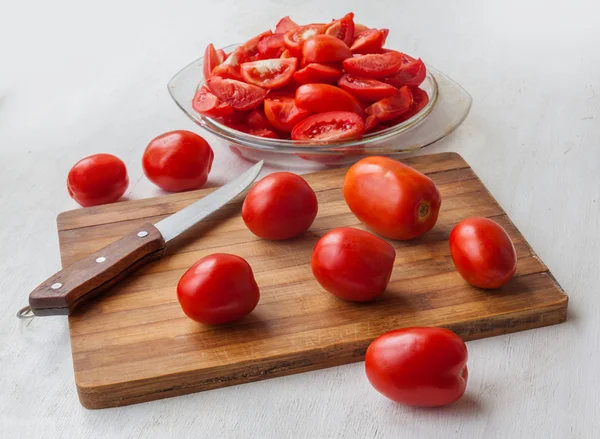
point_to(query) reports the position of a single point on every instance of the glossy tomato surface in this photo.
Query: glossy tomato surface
(353, 264)
(208, 104)
(295, 37)
(269, 73)
(342, 28)
(219, 288)
(281, 111)
(97, 179)
(377, 65)
(178, 161)
(322, 98)
(391, 198)
(333, 125)
(369, 41)
(284, 25)
(271, 46)
(366, 89)
(280, 206)
(412, 72)
(324, 49)
(393, 106)
(211, 60)
(423, 367)
(483, 253)
(315, 73)
(237, 94)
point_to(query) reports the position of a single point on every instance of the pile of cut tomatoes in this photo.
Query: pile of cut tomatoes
(316, 82)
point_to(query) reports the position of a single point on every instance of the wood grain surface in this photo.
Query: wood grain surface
(135, 344)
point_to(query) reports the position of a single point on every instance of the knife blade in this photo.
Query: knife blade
(87, 278)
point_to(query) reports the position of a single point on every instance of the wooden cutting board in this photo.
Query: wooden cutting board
(135, 344)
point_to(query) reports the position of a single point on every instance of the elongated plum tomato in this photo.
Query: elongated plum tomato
(208, 104)
(353, 264)
(324, 49)
(269, 73)
(178, 161)
(237, 94)
(392, 107)
(342, 29)
(334, 125)
(391, 198)
(219, 288)
(422, 367)
(280, 206)
(295, 37)
(322, 98)
(97, 179)
(281, 111)
(483, 253)
(377, 65)
(366, 89)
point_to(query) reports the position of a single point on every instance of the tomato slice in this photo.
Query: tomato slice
(342, 29)
(230, 68)
(359, 28)
(271, 46)
(287, 54)
(369, 41)
(269, 73)
(295, 37)
(366, 89)
(284, 25)
(412, 72)
(318, 73)
(263, 132)
(222, 55)
(392, 107)
(208, 104)
(211, 60)
(379, 65)
(281, 111)
(323, 98)
(257, 120)
(420, 99)
(324, 49)
(370, 123)
(333, 125)
(239, 95)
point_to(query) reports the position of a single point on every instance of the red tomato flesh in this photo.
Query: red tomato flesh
(239, 95)
(209, 105)
(322, 98)
(324, 49)
(334, 125)
(369, 41)
(392, 107)
(211, 60)
(420, 99)
(271, 46)
(366, 89)
(342, 29)
(294, 38)
(256, 119)
(284, 25)
(281, 111)
(379, 65)
(412, 72)
(269, 73)
(315, 73)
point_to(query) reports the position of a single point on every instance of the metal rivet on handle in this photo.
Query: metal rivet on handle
(100, 259)
(142, 234)
(56, 286)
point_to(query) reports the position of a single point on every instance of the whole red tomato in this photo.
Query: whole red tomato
(178, 161)
(423, 367)
(483, 253)
(280, 206)
(353, 264)
(97, 179)
(219, 288)
(392, 198)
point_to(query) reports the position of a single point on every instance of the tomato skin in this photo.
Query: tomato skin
(412, 72)
(280, 206)
(421, 366)
(324, 49)
(230, 68)
(284, 25)
(483, 253)
(369, 41)
(366, 89)
(359, 28)
(211, 60)
(353, 264)
(97, 179)
(322, 98)
(295, 37)
(281, 111)
(239, 95)
(391, 198)
(178, 161)
(208, 104)
(219, 288)
(315, 73)
(333, 125)
(420, 99)
(269, 73)
(221, 56)
(256, 119)
(378, 65)
(342, 29)
(271, 46)
(392, 107)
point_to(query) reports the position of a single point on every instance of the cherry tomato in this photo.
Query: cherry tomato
(324, 49)
(97, 179)
(271, 46)
(378, 65)
(211, 60)
(391, 198)
(392, 107)
(334, 125)
(284, 25)
(178, 161)
(322, 98)
(483, 253)
(315, 73)
(422, 367)
(280, 206)
(420, 99)
(209, 105)
(269, 73)
(281, 111)
(366, 89)
(342, 29)
(353, 264)
(256, 119)
(219, 288)
(295, 37)
(412, 72)
(239, 95)
(369, 41)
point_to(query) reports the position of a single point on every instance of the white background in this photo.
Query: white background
(79, 77)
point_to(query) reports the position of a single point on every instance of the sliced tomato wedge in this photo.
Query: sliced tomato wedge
(211, 60)
(333, 125)
(342, 29)
(269, 73)
(359, 28)
(295, 37)
(420, 99)
(230, 68)
(284, 25)
(369, 41)
(366, 89)
(412, 72)
(286, 54)
(257, 120)
(323, 98)
(370, 123)
(207, 104)
(379, 65)
(239, 95)
(392, 107)
(318, 73)
(222, 55)
(263, 132)
(324, 49)
(281, 111)
(271, 46)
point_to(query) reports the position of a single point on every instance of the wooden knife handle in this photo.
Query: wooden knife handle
(85, 279)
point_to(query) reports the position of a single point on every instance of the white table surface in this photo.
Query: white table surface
(78, 78)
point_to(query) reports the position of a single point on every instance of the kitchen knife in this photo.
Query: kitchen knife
(88, 277)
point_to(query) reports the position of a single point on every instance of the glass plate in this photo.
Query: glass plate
(448, 106)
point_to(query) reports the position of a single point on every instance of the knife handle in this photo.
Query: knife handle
(88, 277)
